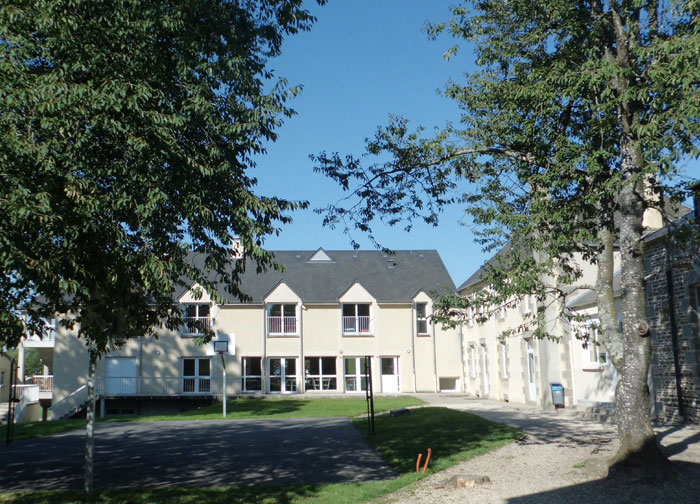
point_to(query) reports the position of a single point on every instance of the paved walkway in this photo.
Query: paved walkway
(200, 453)
(562, 459)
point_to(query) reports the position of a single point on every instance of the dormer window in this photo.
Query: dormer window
(356, 318)
(282, 319)
(197, 319)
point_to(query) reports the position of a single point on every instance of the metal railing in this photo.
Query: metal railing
(197, 325)
(356, 325)
(166, 386)
(45, 382)
(281, 325)
(69, 404)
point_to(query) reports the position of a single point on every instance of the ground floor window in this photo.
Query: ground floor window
(196, 375)
(320, 373)
(355, 374)
(283, 375)
(252, 374)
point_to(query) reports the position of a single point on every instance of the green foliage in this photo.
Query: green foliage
(574, 102)
(127, 135)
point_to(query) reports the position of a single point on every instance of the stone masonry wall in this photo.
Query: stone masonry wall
(685, 288)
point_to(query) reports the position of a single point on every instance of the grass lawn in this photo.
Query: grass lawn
(453, 436)
(245, 407)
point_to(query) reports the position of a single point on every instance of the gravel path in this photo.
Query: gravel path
(561, 460)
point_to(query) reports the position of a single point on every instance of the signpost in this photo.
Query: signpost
(221, 347)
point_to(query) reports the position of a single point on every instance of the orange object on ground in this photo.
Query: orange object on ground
(427, 460)
(420, 456)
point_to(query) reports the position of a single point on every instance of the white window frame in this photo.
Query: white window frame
(200, 384)
(322, 381)
(470, 317)
(593, 349)
(422, 319)
(245, 376)
(472, 361)
(282, 325)
(526, 305)
(198, 320)
(501, 313)
(360, 322)
(359, 377)
(285, 379)
(503, 347)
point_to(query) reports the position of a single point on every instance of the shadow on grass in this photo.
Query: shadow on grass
(230, 495)
(452, 436)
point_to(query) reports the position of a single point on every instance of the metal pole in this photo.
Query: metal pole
(369, 421)
(371, 393)
(10, 400)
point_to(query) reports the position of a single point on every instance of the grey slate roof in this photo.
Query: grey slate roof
(388, 278)
(589, 298)
(479, 275)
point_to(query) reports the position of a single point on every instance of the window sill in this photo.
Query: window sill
(423, 335)
(358, 335)
(594, 368)
(282, 335)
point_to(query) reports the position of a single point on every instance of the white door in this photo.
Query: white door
(122, 376)
(532, 385)
(390, 374)
(283, 375)
(485, 368)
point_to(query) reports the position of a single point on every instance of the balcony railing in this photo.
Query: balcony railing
(166, 386)
(356, 325)
(282, 325)
(45, 382)
(197, 325)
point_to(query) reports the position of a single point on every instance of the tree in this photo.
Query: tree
(128, 130)
(570, 131)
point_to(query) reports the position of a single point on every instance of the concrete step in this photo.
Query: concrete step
(601, 413)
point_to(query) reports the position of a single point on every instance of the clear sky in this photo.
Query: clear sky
(362, 61)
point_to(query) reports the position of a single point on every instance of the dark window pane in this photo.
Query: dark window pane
(387, 366)
(290, 367)
(275, 310)
(204, 367)
(253, 384)
(311, 366)
(275, 384)
(204, 310)
(188, 367)
(190, 310)
(328, 365)
(252, 366)
(289, 310)
(350, 366)
(364, 366)
(420, 310)
(348, 310)
(363, 310)
(275, 367)
(422, 327)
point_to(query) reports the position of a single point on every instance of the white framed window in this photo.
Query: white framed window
(252, 374)
(283, 374)
(501, 313)
(526, 305)
(422, 319)
(503, 347)
(356, 318)
(472, 361)
(197, 319)
(595, 351)
(282, 319)
(196, 375)
(470, 317)
(320, 373)
(356, 373)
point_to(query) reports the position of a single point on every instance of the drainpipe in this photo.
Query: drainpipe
(302, 381)
(263, 363)
(462, 359)
(674, 338)
(413, 342)
(437, 380)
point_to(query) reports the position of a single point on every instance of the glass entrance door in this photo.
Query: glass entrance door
(283, 375)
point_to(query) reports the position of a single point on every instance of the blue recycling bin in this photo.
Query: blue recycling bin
(557, 395)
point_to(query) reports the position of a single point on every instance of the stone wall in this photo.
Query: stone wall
(661, 255)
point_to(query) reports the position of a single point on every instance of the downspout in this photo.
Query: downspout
(413, 343)
(437, 380)
(263, 378)
(302, 380)
(674, 337)
(462, 359)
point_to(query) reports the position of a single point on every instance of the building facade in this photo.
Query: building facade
(307, 330)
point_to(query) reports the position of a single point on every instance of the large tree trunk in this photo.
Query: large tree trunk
(639, 452)
(90, 427)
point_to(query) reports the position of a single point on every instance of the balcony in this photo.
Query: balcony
(356, 325)
(45, 383)
(195, 326)
(164, 386)
(281, 326)
(47, 339)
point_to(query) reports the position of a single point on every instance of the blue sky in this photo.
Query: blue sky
(362, 61)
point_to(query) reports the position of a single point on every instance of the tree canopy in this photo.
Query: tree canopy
(570, 131)
(128, 133)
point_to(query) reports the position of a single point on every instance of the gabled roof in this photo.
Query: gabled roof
(323, 276)
(478, 277)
